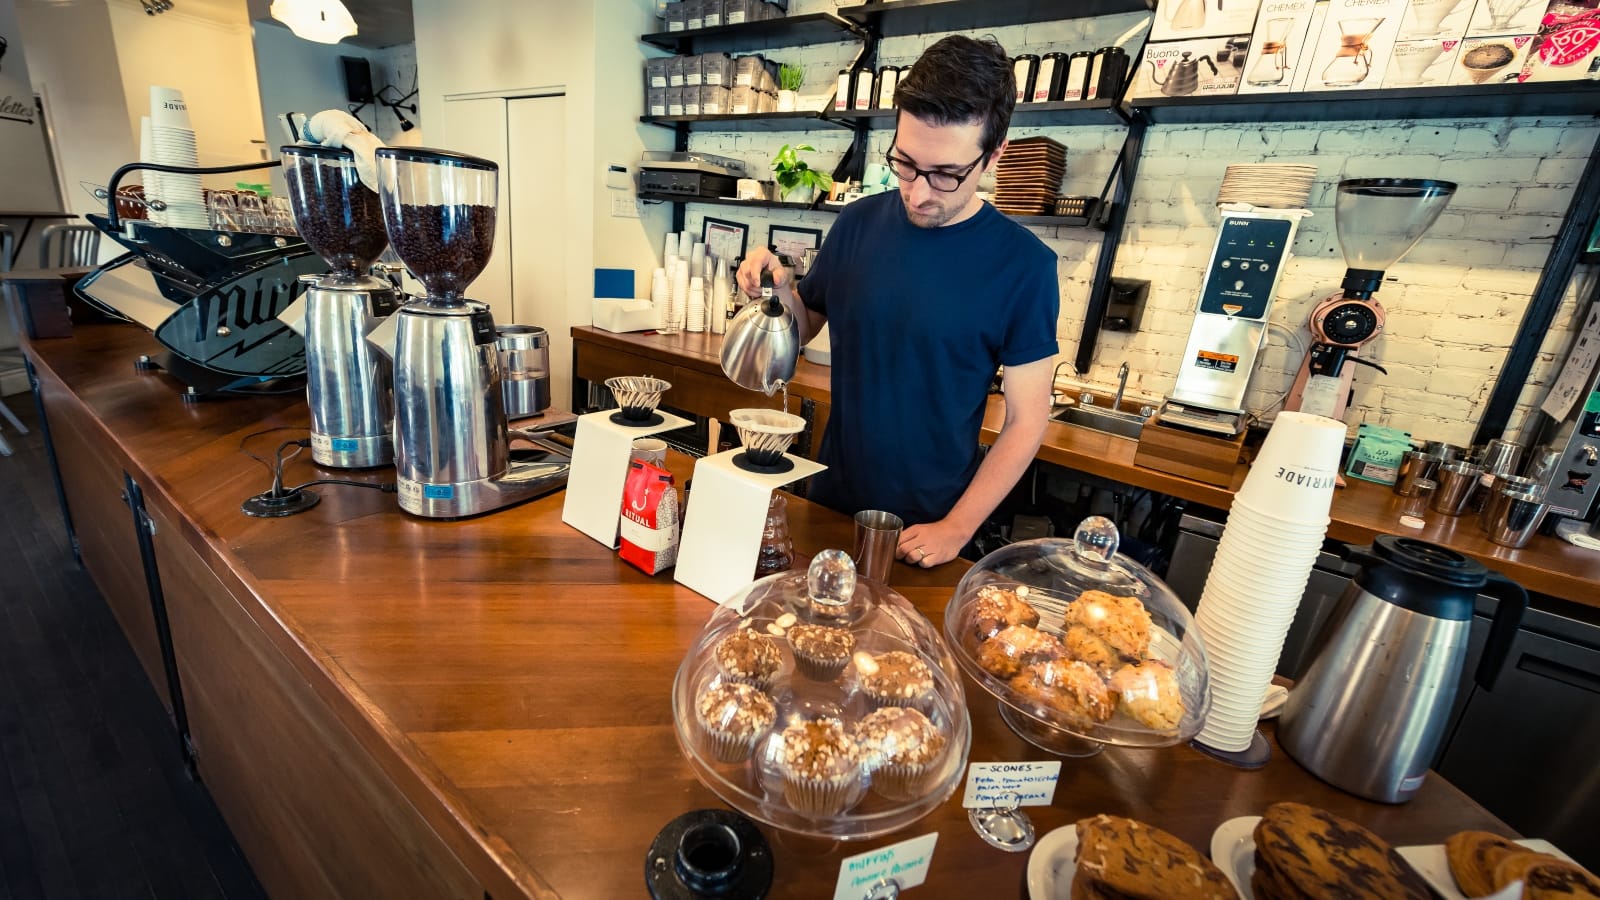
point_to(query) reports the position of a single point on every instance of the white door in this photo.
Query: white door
(537, 129)
(478, 127)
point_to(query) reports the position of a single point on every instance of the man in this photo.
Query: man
(929, 291)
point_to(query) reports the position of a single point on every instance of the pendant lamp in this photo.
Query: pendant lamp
(323, 21)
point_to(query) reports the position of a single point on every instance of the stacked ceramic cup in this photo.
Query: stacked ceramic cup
(172, 144)
(1275, 530)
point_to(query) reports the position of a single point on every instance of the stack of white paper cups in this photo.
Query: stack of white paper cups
(1275, 529)
(696, 310)
(172, 143)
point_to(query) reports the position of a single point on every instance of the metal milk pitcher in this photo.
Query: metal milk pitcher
(1370, 712)
(762, 346)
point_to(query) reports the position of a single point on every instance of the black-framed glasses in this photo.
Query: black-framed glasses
(942, 181)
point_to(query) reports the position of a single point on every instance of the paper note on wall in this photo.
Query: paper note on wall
(1573, 383)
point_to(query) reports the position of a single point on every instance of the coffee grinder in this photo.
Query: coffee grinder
(1378, 221)
(349, 384)
(452, 445)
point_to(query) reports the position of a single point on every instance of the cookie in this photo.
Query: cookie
(1319, 854)
(1472, 856)
(1544, 876)
(1016, 647)
(1121, 622)
(1120, 857)
(998, 607)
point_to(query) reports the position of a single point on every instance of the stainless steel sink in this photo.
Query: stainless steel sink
(1122, 424)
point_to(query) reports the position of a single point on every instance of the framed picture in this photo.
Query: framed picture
(724, 240)
(790, 241)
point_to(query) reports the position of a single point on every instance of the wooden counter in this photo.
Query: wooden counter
(1361, 511)
(385, 706)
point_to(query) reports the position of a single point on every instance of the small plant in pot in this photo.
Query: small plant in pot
(797, 181)
(789, 80)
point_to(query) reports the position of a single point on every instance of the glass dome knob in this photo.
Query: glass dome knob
(1096, 540)
(831, 579)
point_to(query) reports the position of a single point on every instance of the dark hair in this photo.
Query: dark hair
(960, 80)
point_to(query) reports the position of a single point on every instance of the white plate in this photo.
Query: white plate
(1233, 849)
(1053, 863)
(1434, 867)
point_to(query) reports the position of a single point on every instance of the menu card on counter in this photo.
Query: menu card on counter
(905, 864)
(997, 785)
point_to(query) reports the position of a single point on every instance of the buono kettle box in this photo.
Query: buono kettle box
(1186, 69)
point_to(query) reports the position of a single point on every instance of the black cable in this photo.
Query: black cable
(388, 487)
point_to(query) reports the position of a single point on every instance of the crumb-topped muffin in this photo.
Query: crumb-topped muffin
(998, 607)
(748, 657)
(735, 717)
(1148, 691)
(821, 651)
(1065, 689)
(1016, 647)
(820, 768)
(899, 747)
(896, 678)
(1121, 622)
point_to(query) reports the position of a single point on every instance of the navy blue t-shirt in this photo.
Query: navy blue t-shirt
(919, 320)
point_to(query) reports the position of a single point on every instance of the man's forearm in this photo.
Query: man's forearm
(1013, 450)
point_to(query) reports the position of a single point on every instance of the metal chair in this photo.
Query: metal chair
(10, 360)
(8, 241)
(68, 245)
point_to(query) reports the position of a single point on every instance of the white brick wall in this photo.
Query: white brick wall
(1454, 302)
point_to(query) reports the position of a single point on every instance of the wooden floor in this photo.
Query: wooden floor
(94, 798)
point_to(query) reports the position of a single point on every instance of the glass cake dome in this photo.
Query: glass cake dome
(1082, 646)
(824, 705)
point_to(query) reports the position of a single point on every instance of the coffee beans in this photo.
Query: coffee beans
(338, 216)
(445, 247)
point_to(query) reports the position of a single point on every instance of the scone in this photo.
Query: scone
(1120, 857)
(1544, 877)
(1148, 692)
(998, 607)
(1473, 856)
(1016, 647)
(1121, 622)
(1318, 854)
(1065, 690)
(1085, 646)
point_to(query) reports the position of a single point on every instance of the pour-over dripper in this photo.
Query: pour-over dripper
(439, 209)
(337, 216)
(1379, 220)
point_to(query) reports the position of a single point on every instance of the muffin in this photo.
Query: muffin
(896, 678)
(1016, 647)
(998, 607)
(820, 651)
(750, 658)
(735, 717)
(899, 747)
(1085, 646)
(818, 762)
(1121, 622)
(1065, 690)
(1148, 691)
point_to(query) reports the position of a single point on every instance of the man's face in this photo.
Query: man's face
(947, 148)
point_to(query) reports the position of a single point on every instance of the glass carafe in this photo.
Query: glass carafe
(1273, 62)
(338, 217)
(1354, 62)
(777, 548)
(439, 210)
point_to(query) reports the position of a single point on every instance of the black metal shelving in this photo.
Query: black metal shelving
(789, 121)
(901, 17)
(1562, 98)
(1059, 221)
(1080, 112)
(729, 201)
(789, 31)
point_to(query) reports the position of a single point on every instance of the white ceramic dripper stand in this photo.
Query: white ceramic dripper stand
(600, 453)
(732, 490)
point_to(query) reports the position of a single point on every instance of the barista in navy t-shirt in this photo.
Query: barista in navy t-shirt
(928, 291)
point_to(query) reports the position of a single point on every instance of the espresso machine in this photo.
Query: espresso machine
(349, 383)
(452, 445)
(1378, 220)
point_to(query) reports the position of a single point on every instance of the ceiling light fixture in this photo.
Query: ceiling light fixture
(155, 7)
(323, 21)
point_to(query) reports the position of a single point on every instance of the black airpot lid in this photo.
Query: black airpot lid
(1430, 561)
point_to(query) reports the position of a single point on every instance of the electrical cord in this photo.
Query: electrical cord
(388, 487)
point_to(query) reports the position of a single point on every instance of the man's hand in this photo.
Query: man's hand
(760, 260)
(933, 543)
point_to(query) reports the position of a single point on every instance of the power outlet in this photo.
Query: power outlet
(624, 206)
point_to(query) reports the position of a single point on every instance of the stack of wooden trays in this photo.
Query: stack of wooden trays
(1029, 176)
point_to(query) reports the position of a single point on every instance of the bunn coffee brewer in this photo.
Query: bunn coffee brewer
(452, 453)
(349, 383)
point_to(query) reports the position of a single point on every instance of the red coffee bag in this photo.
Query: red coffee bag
(649, 518)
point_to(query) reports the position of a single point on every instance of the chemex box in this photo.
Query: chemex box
(1424, 63)
(1496, 18)
(1352, 51)
(1491, 60)
(1183, 20)
(1567, 46)
(1188, 68)
(1437, 19)
(1277, 48)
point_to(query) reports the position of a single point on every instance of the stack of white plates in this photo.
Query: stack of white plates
(1268, 185)
(172, 143)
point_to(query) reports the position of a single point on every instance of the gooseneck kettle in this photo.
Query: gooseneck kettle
(762, 346)
(1370, 712)
(1184, 79)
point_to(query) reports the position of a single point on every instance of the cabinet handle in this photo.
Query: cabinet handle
(1572, 677)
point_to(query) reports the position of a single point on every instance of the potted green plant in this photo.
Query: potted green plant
(797, 181)
(789, 80)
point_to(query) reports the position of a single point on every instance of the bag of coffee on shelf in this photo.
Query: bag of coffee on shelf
(649, 518)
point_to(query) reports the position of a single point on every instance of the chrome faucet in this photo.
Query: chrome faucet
(1122, 385)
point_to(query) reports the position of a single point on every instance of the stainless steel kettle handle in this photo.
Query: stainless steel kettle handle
(1503, 631)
